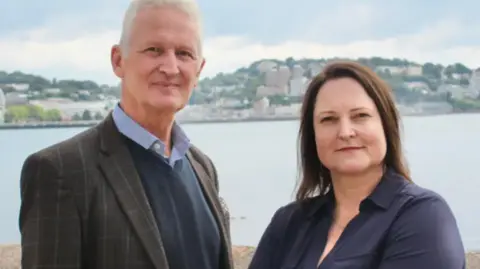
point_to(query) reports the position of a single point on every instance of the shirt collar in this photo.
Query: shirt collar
(382, 196)
(389, 186)
(131, 129)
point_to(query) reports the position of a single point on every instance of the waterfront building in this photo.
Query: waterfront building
(3, 106)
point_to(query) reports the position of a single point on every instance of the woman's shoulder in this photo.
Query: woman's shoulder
(424, 230)
(297, 213)
(415, 195)
(423, 210)
(408, 194)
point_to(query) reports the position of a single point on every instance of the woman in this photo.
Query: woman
(356, 204)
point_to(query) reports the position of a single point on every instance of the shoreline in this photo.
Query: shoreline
(242, 255)
(81, 124)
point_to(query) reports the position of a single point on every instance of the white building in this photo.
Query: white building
(418, 86)
(16, 98)
(69, 108)
(475, 81)
(265, 66)
(414, 70)
(457, 91)
(297, 71)
(263, 91)
(260, 107)
(3, 106)
(19, 87)
(315, 68)
(291, 110)
(298, 86)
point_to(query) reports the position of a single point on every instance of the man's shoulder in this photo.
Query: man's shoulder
(202, 158)
(205, 161)
(197, 153)
(83, 143)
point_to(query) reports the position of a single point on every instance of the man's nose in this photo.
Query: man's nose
(169, 64)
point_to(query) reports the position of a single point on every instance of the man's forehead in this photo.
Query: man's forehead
(183, 26)
(164, 15)
(165, 26)
(164, 35)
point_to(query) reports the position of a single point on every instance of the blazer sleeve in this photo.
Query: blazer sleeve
(226, 212)
(208, 165)
(265, 256)
(49, 220)
(425, 235)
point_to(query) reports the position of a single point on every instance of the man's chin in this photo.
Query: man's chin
(165, 106)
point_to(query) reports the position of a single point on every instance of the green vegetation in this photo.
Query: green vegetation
(41, 88)
(32, 113)
(465, 105)
(433, 75)
(87, 115)
(242, 85)
(29, 113)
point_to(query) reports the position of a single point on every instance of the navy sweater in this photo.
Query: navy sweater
(188, 229)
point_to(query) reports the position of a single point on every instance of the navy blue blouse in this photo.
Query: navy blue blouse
(400, 226)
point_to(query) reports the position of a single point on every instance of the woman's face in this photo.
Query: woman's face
(349, 133)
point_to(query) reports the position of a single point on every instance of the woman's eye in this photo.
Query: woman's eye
(363, 115)
(326, 119)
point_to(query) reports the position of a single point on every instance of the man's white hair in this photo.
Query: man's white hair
(190, 7)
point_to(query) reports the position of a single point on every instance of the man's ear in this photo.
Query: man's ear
(201, 67)
(199, 71)
(116, 60)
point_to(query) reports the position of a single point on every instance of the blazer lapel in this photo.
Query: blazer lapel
(120, 172)
(214, 203)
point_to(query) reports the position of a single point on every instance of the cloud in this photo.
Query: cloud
(88, 52)
(342, 22)
(78, 57)
(427, 45)
(87, 56)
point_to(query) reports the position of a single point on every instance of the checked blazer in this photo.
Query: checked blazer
(83, 206)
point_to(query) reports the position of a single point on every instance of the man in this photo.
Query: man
(132, 192)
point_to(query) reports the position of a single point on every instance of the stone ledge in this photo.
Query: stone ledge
(10, 257)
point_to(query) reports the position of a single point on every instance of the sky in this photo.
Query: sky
(72, 39)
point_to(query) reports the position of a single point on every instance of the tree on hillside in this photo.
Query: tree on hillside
(87, 115)
(290, 62)
(52, 115)
(378, 61)
(457, 68)
(431, 70)
(25, 113)
(98, 116)
(462, 69)
(76, 117)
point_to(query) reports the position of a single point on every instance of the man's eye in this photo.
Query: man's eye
(153, 49)
(185, 54)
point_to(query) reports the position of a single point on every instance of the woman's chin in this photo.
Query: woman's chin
(352, 168)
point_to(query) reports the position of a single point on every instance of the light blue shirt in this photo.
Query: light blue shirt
(131, 129)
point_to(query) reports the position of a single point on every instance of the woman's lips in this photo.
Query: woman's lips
(349, 148)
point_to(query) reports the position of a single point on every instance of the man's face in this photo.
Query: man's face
(163, 62)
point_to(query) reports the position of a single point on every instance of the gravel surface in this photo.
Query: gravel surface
(10, 257)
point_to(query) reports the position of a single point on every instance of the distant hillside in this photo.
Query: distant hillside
(243, 84)
(38, 87)
(250, 77)
(39, 83)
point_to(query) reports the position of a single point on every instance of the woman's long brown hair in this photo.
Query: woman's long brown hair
(315, 178)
